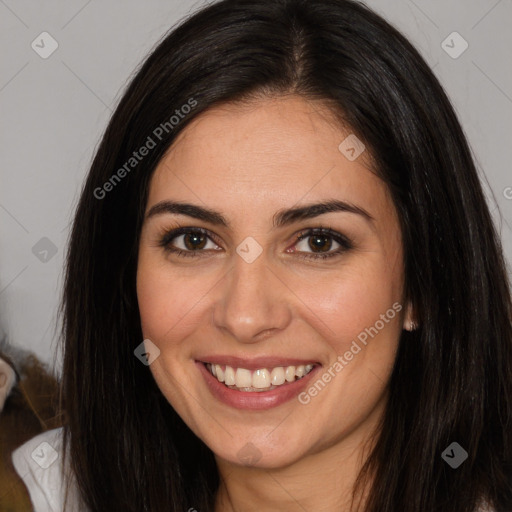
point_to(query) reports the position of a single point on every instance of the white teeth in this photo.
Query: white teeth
(290, 373)
(259, 380)
(243, 378)
(219, 373)
(277, 376)
(229, 376)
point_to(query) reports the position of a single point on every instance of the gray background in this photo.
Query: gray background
(54, 111)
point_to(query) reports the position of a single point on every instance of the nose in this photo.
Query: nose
(252, 302)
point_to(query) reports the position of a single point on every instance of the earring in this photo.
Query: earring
(411, 326)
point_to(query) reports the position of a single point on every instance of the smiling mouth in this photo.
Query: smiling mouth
(264, 379)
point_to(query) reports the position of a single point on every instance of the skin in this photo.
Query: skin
(248, 162)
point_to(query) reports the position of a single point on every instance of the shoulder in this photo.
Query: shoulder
(38, 463)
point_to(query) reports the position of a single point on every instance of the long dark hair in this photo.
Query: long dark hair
(452, 380)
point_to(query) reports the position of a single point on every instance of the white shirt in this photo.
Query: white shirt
(38, 462)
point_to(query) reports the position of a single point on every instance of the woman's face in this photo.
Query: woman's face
(266, 283)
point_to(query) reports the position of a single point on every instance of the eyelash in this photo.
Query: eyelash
(344, 242)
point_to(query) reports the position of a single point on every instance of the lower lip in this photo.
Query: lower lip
(255, 400)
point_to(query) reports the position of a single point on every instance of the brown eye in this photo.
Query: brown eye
(188, 242)
(194, 241)
(320, 243)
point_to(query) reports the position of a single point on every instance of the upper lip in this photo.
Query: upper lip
(255, 363)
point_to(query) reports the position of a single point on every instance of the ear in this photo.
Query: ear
(410, 323)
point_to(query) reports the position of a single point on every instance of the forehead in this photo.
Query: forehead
(269, 153)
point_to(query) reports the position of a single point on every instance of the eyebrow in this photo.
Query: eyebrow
(281, 218)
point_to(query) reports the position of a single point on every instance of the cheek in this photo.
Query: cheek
(169, 303)
(157, 305)
(354, 298)
(342, 306)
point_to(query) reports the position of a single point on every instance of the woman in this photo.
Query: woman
(284, 290)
